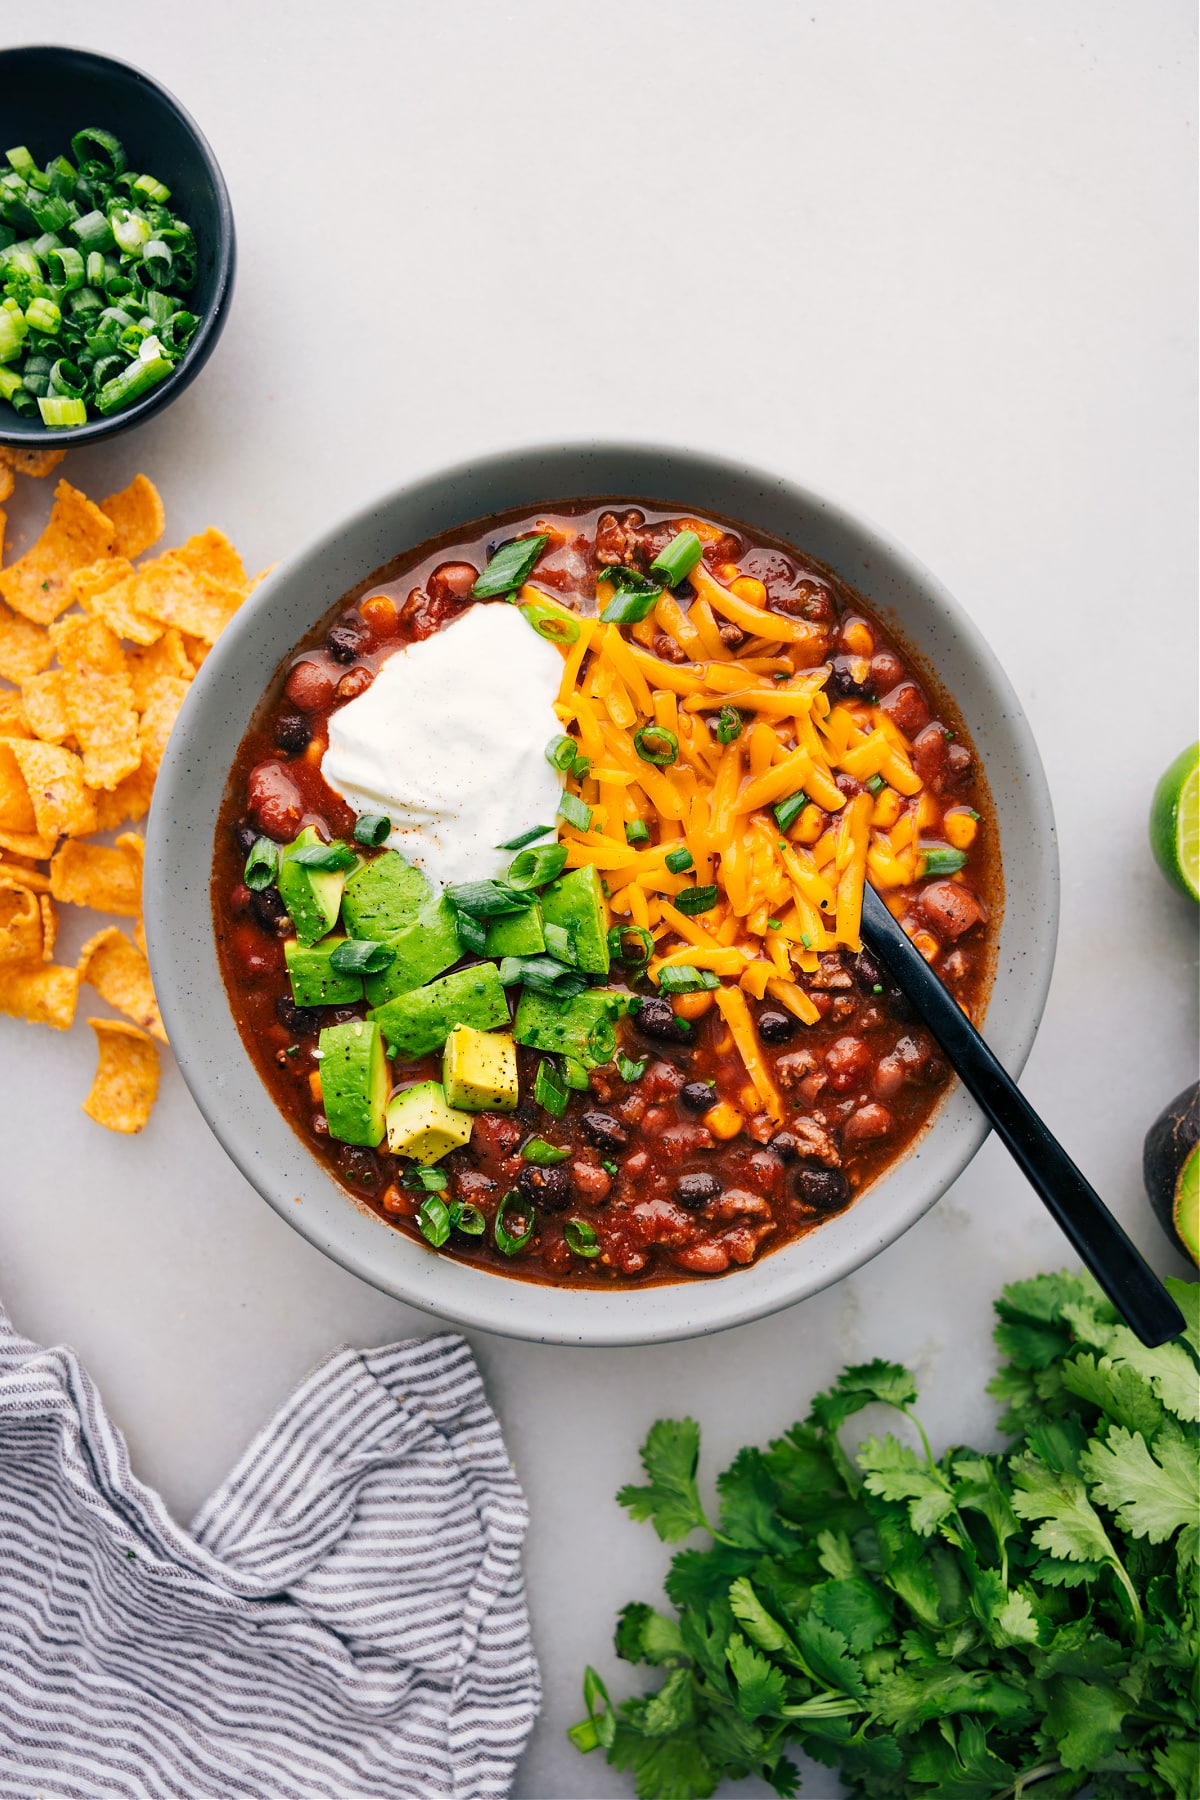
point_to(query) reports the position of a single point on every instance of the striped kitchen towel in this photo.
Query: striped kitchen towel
(345, 1620)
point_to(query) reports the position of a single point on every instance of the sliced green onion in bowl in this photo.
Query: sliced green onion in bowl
(325, 858)
(262, 865)
(581, 1238)
(729, 724)
(472, 933)
(575, 811)
(511, 566)
(526, 837)
(789, 810)
(361, 956)
(561, 752)
(560, 943)
(634, 597)
(655, 744)
(534, 868)
(637, 832)
(630, 944)
(575, 1074)
(434, 1220)
(696, 900)
(58, 410)
(684, 979)
(542, 1154)
(939, 860)
(487, 899)
(544, 974)
(679, 860)
(467, 1218)
(434, 1181)
(513, 1206)
(548, 1090)
(678, 558)
(550, 623)
(372, 828)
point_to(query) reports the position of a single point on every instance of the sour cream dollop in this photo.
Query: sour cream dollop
(449, 742)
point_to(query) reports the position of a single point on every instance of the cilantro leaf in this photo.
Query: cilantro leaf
(1116, 1389)
(673, 1768)
(672, 1707)
(750, 1505)
(646, 1636)
(1085, 1720)
(854, 1608)
(828, 1655)
(761, 1627)
(965, 1769)
(1153, 1494)
(1071, 1527)
(895, 1472)
(888, 1383)
(836, 1556)
(760, 1685)
(672, 1500)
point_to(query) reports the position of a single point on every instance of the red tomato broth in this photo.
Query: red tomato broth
(665, 1197)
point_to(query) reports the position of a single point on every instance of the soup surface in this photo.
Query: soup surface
(537, 904)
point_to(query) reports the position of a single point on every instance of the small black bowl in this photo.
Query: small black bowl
(49, 94)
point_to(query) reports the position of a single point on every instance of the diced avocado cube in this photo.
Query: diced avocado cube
(479, 1070)
(315, 982)
(354, 1081)
(422, 1124)
(383, 896)
(575, 902)
(416, 1023)
(312, 896)
(423, 949)
(517, 934)
(584, 1027)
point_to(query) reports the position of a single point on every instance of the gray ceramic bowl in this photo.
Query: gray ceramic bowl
(180, 845)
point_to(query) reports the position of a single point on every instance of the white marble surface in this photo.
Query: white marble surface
(935, 257)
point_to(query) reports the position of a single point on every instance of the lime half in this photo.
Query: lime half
(1175, 823)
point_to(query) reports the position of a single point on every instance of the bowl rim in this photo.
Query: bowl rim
(32, 434)
(482, 1299)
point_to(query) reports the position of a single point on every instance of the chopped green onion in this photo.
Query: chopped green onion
(59, 410)
(432, 1180)
(472, 933)
(679, 860)
(630, 944)
(434, 1221)
(131, 228)
(580, 767)
(696, 900)
(361, 956)
(544, 974)
(774, 924)
(684, 979)
(873, 783)
(602, 1040)
(637, 832)
(487, 899)
(576, 1074)
(510, 567)
(624, 580)
(655, 744)
(629, 1070)
(262, 864)
(551, 623)
(561, 752)
(610, 1168)
(99, 150)
(65, 268)
(806, 940)
(43, 314)
(678, 558)
(575, 811)
(526, 837)
(560, 944)
(467, 1218)
(510, 1242)
(324, 857)
(581, 1238)
(372, 828)
(67, 379)
(10, 384)
(938, 861)
(548, 1091)
(533, 868)
(729, 724)
(542, 1154)
(634, 597)
(145, 372)
(789, 810)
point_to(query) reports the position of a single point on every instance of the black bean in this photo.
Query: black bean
(268, 908)
(698, 1096)
(358, 1166)
(343, 643)
(899, 1005)
(292, 733)
(550, 1188)
(697, 1190)
(603, 1130)
(827, 1189)
(655, 1018)
(245, 837)
(775, 1027)
(305, 1021)
(867, 972)
(843, 684)
(785, 1146)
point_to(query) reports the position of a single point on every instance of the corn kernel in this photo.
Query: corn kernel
(748, 589)
(809, 825)
(380, 613)
(960, 829)
(887, 808)
(728, 572)
(724, 1120)
(314, 750)
(927, 812)
(858, 638)
(693, 1006)
(749, 1098)
(927, 944)
(724, 1043)
(314, 1087)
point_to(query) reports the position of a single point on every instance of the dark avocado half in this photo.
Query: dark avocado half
(1171, 1170)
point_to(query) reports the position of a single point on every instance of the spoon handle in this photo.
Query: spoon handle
(1081, 1214)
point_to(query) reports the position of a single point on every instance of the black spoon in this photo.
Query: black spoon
(1117, 1264)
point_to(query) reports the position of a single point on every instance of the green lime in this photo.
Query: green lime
(1175, 823)
(1186, 1210)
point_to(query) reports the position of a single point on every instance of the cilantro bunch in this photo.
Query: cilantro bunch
(970, 1627)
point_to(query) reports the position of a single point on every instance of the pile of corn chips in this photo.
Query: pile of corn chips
(96, 655)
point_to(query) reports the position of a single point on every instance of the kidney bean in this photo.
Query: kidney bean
(889, 1078)
(310, 687)
(239, 898)
(775, 1026)
(344, 642)
(950, 908)
(958, 762)
(825, 1189)
(867, 1123)
(473, 1185)
(301, 1021)
(907, 708)
(354, 683)
(590, 1181)
(636, 1165)
(257, 956)
(604, 1131)
(698, 1096)
(764, 1170)
(274, 801)
(452, 581)
(886, 670)
(847, 1062)
(358, 1166)
(655, 1018)
(811, 1086)
(929, 752)
(684, 1140)
(292, 733)
(662, 1081)
(632, 1110)
(495, 1136)
(697, 1189)
(549, 1188)
(709, 1258)
(656, 1119)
